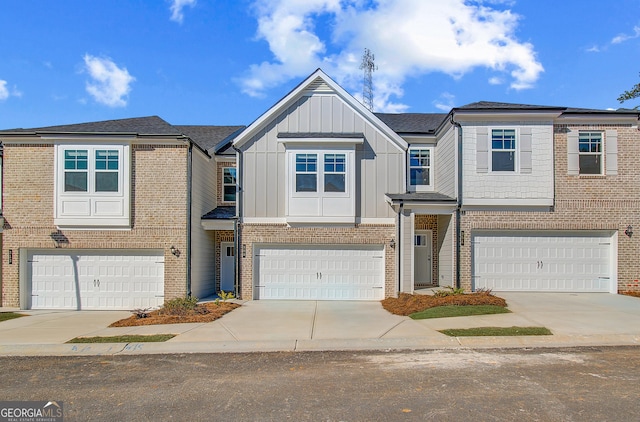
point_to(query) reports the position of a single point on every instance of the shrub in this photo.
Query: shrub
(181, 306)
(449, 291)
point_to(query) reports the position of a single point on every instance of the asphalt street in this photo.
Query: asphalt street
(572, 384)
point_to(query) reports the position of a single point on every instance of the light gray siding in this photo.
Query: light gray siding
(445, 251)
(379, 162)
(202, 242)
(406, 251)
(445, 162)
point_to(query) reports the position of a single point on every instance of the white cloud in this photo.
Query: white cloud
(4, 92)
(110, 85)
(446, 102)
(625, 37)
(408, 37)
(176, 9)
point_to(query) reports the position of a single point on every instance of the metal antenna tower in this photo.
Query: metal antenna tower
(369, 66)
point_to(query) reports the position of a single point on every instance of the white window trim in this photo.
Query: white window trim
(322, 196)
(601, 153)
(516, 152)
(227, 184)
(422, 188)
(92, 209)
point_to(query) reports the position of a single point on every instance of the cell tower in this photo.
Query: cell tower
(369, 66)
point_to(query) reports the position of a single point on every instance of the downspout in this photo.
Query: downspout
(458, 201)
(236, 226)
(399, 245)
(189, 214)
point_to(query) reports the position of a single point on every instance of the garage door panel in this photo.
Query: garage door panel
(542, 262)
(319, 273)
(96, 279)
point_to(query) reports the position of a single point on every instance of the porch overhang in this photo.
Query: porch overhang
(221, 218)
(423, 202)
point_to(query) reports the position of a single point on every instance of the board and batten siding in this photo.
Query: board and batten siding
(204, 185)
(534, 182)
(445, 163)
(379, 163)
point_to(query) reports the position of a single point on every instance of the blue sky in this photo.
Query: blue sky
(225, 62)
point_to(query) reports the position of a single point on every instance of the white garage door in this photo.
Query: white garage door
(319, 273)
(557, 262)
(96, 280)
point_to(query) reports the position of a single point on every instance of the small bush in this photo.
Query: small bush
(449, 291)
(180, 306)
(226, 295)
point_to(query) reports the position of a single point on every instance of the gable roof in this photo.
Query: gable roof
(316, 79)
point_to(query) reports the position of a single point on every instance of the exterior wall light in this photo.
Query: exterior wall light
(174, 251)
(629, 231)
(392, 243)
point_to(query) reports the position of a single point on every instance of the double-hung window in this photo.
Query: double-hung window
(503, 150)
(229, 184)
(420, 168)
(590, 152)
(306, 172)
(92, 188)
(334, 173)
(321, 184)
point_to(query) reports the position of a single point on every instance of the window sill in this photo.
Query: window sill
(592, 176)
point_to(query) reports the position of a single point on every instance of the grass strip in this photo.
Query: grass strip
(6, 316)
(455, 311)
(155, 338)
(497, 331)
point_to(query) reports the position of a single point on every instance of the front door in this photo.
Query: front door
(227, 267)
(422, 256)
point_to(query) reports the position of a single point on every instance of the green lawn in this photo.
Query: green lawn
(124, 339)
(455, 310)
(6, 316)
(498, 331)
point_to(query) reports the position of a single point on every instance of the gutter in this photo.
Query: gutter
(189, 214)
(459, 200)
(238, 219)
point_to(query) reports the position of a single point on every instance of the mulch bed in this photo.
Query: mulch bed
(205, 312)
(406, 304)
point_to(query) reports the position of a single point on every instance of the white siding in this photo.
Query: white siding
(446, 230)
(379, 163)
(532, 187)
(406, 249)
(202, 242)
(445, 162)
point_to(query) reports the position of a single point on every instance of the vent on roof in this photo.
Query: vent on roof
(318, 85)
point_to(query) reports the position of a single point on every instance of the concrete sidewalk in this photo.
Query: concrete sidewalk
(576, 319)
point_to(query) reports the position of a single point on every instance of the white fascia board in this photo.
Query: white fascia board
(436, 209)
(321, 220)
(297, 92)
(224, 158)
(536, 202)
(263, 220)
(217, 224)
(505, 116)
(587, 119)
(376, 221)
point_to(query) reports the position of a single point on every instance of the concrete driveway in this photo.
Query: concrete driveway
(574, 318)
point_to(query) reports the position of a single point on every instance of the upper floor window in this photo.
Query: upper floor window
(320, 184)
(92, 187)
(420, 168)
(590, 152)
(503, 150)
(334, 173)
(306, 172)
(229, 184)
